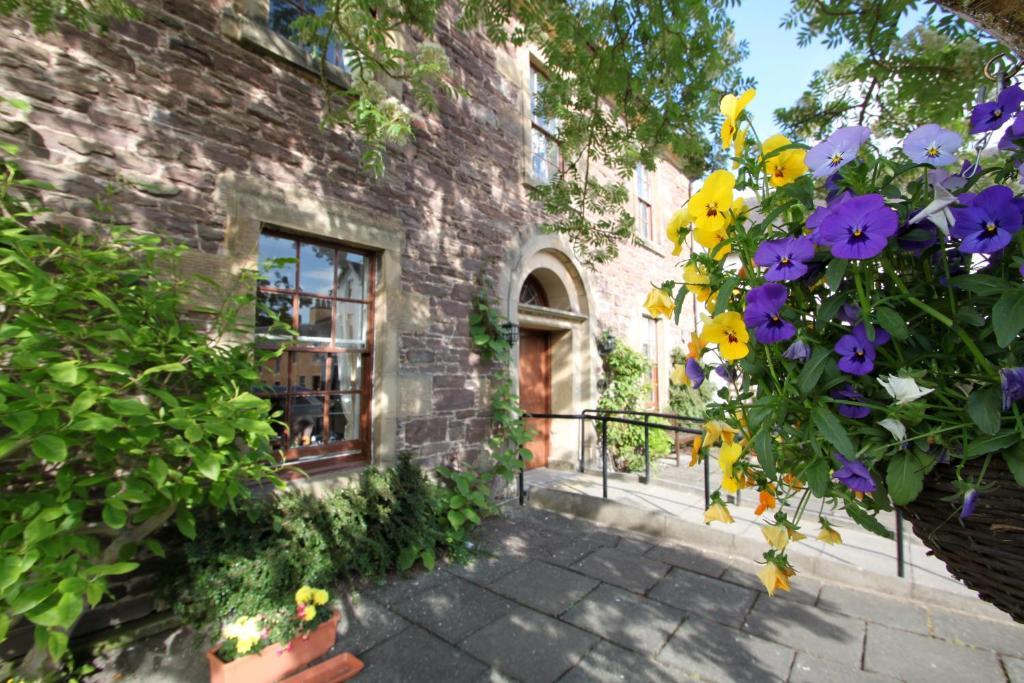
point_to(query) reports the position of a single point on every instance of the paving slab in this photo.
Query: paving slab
(802, 588)
(689, 558)
(395, 589)
(714, 652)
(622, 569)
(609, 663)
(416, 654)
(874, 607)
(702, 596)
(175, 657)
(453, 609)
(486, 568)
(809, 669)
(567, 551)
(1014, 669)
(916, 658)
(1005, 637)
(364, 623)
(626, 619)
(822, 633)
(633, 545)
(530, 646)
(544, 587)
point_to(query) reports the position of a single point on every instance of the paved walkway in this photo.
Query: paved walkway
(678, 491)
(559, 599)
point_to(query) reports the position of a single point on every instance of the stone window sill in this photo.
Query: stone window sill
(253, 35)
(650, 246)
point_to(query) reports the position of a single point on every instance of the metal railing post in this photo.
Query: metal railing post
(647, 451)
(899, 543)
(707, 480)
(522, 486)
(604, 456)
(583, 447)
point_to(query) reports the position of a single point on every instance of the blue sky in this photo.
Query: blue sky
(782, 68)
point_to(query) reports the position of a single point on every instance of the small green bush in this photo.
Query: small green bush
(687, 401)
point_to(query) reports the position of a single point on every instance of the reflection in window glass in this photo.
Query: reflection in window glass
(350, 324)
(281, 17)
(545, 160)
(306, 424)
(352, 276)
(344, 417)
(317, 272)
(314, 320)
(277, 275)
(348, 372)
(272, 310)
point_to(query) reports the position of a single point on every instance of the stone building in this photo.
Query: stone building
(209, 123)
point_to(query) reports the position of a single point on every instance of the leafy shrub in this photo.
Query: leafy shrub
(250, 561)
(687, 401)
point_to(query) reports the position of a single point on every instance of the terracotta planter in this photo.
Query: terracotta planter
(273, 662)
(986, 550)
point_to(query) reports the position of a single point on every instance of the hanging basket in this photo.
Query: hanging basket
(986, 550)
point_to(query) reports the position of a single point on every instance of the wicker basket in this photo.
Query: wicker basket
(985, 551)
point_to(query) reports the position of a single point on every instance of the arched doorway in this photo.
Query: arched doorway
(548, 297)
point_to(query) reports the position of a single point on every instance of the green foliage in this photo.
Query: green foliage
(687, 401)
(889, 81)
(83, 14)
(251, 561)
(115, 415)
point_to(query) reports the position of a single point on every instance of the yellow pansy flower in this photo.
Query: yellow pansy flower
(695, 451)
(777, 536)
(697, 280)
(304, 595)
(319, 596)
(731, 107)
(730, 333)
(784, 167)
(728, 455)
(659, 304)
(795, 535)
(828, 534)
(716, 430)
(709, 238)
(246, 633)
(738, 145)
(717, 512)
(695, 346)
(738, 208)
(774, 578)
(680, 219)
(731, 484)
(307, 612)
(711, 203)
(678, 376)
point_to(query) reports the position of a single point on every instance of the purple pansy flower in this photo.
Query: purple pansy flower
(854, 475)
(992, 115)
(785, 258)
(970, 502)
(762, 314)
(940, 177)
(988, 221)
(932, 144)
(848, 393)
(725, 372)
(836, 150)
(694, 373)
(848, 313)
(918, 237)
(799, 351)
(857, 352)
(819, 215)
(1012, 382)
(859, 228)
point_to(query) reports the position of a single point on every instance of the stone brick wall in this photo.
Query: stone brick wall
(165, 108)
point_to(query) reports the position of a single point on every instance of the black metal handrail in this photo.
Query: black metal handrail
(604, 416)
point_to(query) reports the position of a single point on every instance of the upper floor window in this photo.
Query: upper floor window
(545, 156)
(280, 17)
(321, 383)
(645, 216)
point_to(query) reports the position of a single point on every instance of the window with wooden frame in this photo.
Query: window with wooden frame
(645, 212)
(650, 349)
(321, 383)
(282, 13)
(545, 155)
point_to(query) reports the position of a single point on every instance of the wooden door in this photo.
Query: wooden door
(535, 391)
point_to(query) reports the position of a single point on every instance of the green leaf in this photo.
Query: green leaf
(193, 433)
(66, 372)
(28, 599)
(985, 406)
(56, 644)
(904, 477)
(456, 502)
(114, 517)
(979, 283)
(456, 518)
(1014, 460)
(158, 470)
(764, 447)
(829, 307)
(207, 464)
(471, 515)
(1008, 316)
(9, 148)
(834, 273)
(724, 293)
(94, 593)
(186, 523)
(50, 448)
(812, 370)
(429, 559)
(20, 421)
(407, 557)
(166, 367)
(94, 422)
(892, 322)
(73, 584)
(991, 444)
(832, 430)
(817, 475)
(867, 521)
(114, 569)
(61, 615)
(5, 624)
(127, 406)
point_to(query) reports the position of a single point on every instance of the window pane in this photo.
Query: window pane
(306, 425)
(314, 320)
(344, 417)
(271, 309)
(281, 15)
(642, 189)
(350, 324)
(347, 373)
(316, 269)
(281, 276)
(352, 276)
(309, 371)
(646, 229)
(545, 156)
(274, 376)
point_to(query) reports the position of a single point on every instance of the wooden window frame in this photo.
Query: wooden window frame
(645, 228)
(336, 454)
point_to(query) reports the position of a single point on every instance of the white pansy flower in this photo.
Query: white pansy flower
(894, 427)
(903, 389)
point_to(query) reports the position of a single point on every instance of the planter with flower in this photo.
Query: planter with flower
(867, 308)
(267, 647)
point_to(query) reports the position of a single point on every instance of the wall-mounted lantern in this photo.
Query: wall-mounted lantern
(510, 332)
